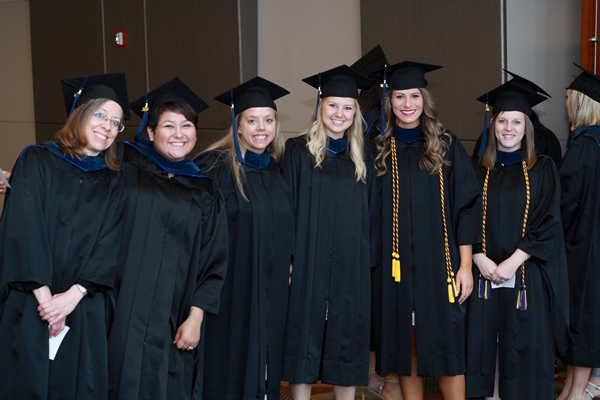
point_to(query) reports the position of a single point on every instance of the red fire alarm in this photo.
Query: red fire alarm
(120, 38)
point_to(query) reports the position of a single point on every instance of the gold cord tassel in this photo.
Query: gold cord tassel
(395, 196)
(522, 297)
(452, 292)
(484, 284)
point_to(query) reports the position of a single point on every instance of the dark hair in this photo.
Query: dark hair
(174, 106)
(488, 159)
(369, 99)
(72, 137)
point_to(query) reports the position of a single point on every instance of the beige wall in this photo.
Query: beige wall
(17, 128)
(297, 39)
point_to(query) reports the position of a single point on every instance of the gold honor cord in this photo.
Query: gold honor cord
(395, 195)
(451, 282)
(484, 283)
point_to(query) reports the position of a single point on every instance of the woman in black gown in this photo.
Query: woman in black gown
(581, 222)
(58, 235)
(328, 323)
(243, 343)
(520, 315)
(431, 208)
(173, 257)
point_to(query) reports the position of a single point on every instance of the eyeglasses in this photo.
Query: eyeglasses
(114, 123)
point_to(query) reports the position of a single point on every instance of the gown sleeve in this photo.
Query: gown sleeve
(213, 254)
(543, 222)
(26, 260)
(466, 197)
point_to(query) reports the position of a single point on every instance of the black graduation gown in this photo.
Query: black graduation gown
(245, 340)
(526, 339)
(173, 256)
(328, 325)
(60, 226)
(580, 209)
(545, 142)
(440, 325)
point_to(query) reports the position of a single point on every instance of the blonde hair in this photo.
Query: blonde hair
(317, 141)
(227, 145)
(433, 134)
(584, 110)
(488, 159)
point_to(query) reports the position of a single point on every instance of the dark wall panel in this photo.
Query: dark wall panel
(198, 41)
(464, 36)
(66, 40)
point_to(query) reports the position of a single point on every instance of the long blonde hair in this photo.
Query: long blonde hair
(584, 110)
(488, 159)
(227, 145)
(433, 134)
(317, 141)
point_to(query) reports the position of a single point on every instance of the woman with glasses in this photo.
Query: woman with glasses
(173, 256)
(58, 235)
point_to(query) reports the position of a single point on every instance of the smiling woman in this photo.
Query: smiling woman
(173, 258)
(58, 235)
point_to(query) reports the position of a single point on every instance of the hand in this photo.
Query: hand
(58, 307)
(507, 268)
(486, 267)
(2, 184)
(54, 330)
(464, 283)
(291, 268)
(188, 334)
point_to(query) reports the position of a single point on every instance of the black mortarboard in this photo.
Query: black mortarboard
(526, 83)
(78, 90)
(408, 75)
(507, 97)
(511, 97)
(340, 81)
(172, 91)
(587, 83)
(373, 61)
(257, 92)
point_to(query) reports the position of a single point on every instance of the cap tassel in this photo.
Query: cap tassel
(484, 135)
(484, 288)
(451, 288)
(384, 90)
(138, 133)
(396, 267)
(77, 95)
(318, 98)
(522, 298)
(238, 152)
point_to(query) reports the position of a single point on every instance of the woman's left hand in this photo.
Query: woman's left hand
(2, 184)
(188, 334)
(56, 309)
(464, 283)
(508, 268)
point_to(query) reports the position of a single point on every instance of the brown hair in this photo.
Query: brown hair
(488, 159)
(433, 136)
(72, 137)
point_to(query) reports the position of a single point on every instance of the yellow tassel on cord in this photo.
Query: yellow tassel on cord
(451, 290)
(396, 267)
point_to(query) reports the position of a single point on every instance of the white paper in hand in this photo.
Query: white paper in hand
(508, 284)
(54, 342)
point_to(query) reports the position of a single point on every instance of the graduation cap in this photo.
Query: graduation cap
(172, 91)
(257, 92)
(507, 97)
(341, 81)
(408, 75)
(587, 83)
(526, 83)
(371, 62)
(80, 89)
